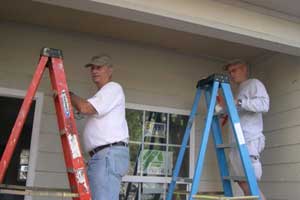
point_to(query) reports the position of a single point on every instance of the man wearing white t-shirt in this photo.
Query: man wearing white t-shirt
(105, 136)
(252, 100)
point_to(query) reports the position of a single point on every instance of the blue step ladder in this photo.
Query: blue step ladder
(210, 86)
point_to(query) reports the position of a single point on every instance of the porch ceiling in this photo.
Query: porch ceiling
(26, 11)
(288, 7)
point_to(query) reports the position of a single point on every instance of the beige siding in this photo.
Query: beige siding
(281, 162)
(150, 76)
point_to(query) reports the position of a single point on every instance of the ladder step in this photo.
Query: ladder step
(223, 146)
(235, 178)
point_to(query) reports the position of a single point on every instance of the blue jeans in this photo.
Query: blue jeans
(105, 171)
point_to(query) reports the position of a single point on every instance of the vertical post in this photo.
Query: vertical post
(184, 144)
(17, 128)
(205, 136)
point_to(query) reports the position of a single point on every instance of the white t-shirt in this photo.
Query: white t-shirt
(109, 124)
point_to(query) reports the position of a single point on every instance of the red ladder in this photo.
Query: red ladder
(52, 58)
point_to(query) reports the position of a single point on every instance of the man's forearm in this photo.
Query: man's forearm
(81, 104)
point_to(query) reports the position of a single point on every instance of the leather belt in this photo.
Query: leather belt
(99, 148)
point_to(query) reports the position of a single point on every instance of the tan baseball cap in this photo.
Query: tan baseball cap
(234, 62)
(100, 60)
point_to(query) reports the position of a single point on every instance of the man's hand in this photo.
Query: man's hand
(221, 101)
(71, 93)
(235, 102)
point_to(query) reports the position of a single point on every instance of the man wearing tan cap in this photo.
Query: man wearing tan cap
(105, 136)
(252, 100)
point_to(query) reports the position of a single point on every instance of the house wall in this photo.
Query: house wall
(149, 75)
(281, 161)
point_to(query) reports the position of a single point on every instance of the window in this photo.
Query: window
(155, 139)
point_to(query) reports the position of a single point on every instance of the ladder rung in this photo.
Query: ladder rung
(36, 191)
(220, 146)
(235, 178)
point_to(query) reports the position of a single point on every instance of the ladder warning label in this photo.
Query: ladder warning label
(239, 133)
(65, 103)
(74, 146)
(80, 177)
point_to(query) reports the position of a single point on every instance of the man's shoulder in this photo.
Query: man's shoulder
(254, 81)
(255, 85)
(113, 88)
(113, 84)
